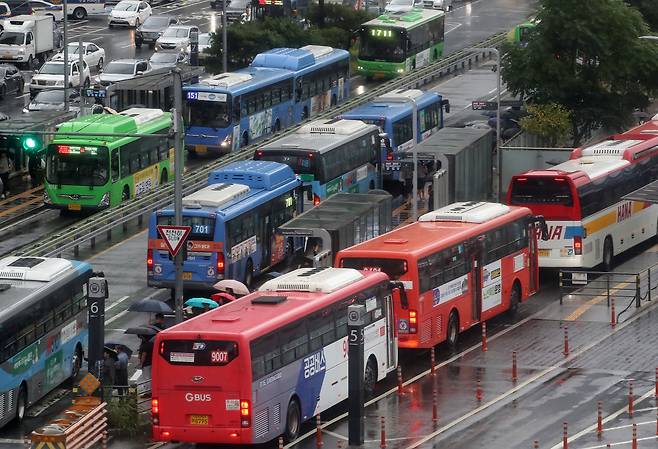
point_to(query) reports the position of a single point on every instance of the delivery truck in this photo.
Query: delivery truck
(27, 40)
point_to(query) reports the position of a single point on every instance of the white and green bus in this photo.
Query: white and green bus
(396, 43)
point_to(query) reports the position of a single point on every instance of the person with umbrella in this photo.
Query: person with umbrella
(159, 321)
(121, 370)
(109, 359)
(145, 355)
(204, 304)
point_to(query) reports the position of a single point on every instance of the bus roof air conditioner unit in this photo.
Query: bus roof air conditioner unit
(318, 51)
(215, 195)
(324, 280)
(614, 148)
(402, 93)
(467, 212)
(40, 269)
(333, 126)
(227, 80)
(142, 115)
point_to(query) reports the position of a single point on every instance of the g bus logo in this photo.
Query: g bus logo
(198, 397)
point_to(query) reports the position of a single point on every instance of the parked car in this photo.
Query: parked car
(121, 69)
(443, 5)
(53, 100)
(167, 59)
(403, 5)
(19, 7)
(5, 11)
(11, 80)
(176, 37)
(92, 54)
(130, 13)
(152, 29)
(51, 75)
(44, 8)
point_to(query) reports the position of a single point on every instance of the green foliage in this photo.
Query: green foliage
(649, 10)
(122, 415)
(550, 121)
(586, 56)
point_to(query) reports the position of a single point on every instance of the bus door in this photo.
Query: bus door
(536, 229)
(477, 249)
(391, 331)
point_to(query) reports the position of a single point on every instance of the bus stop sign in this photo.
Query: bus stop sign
(174, 237)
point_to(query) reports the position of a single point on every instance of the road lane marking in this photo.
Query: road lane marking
(626, 426)
(116, 317)
(619, 443)
(117, 302)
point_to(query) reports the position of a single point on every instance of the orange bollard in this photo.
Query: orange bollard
(599, 419)
(630, 399)
(656, 388)
(433, 362)
(478, 391)
(382, 443)
(318, 432)
(634, 440)
(565, 436)
(435, 408)
(484, 336)
(613, 314)
(566, 341)
(514, 373)
(399, 375)
(280, 442)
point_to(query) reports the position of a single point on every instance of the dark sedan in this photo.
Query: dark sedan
(11, 80)
(152, 28)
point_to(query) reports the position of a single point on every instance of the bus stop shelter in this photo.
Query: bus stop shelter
(340, 221)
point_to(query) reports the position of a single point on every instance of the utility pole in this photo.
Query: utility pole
(66, 56)
(224, 43)
(80, 66)
(178, 187)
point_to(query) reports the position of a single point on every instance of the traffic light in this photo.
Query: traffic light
(30, 143)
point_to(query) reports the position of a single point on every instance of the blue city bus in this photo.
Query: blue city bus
(43, 328)
(330, 156)
(280, 88)
(395, 119)
(233, 222)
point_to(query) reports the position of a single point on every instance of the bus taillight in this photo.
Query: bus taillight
(578, 245)
(316, 200)
(413, 321)
(155, 411)
(220, 263)
(389, 156)
(245, 414)
(149, 260)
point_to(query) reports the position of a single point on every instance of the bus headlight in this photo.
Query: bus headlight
(226, 142)
(105, 200)
(400, 70)
(359, 67)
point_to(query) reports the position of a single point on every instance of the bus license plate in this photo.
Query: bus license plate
(199, 420)
(200, 149)
(187, 276)
(75, 207)
(544, 253)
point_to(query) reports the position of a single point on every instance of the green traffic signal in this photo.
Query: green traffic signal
(30, 143)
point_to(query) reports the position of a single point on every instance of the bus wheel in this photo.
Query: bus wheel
(79, 14)
(277, 126)
(163, 177)
(245, 139)
(249, 274)
(453, 331)
(370, 377)
(608, 254)
(21, 404)
(125, 195)
(293, 421)
(514, 299)
(76, 363)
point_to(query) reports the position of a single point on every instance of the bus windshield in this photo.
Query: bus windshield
(209, 114)
(381, 45)
(394, 268)
(77, 165)
(203, 228)
(301, 163)
(541, 190)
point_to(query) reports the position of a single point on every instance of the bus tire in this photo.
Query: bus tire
(79, 14)
(452, 337)
(514, 300)
(76, 362)
(163, 177)
(125, 194)
(305, 113)
(249, 274)
(277, 126)
(608, 254)
(245, 139)
(21, 403)
(370, 377)
(293, 420)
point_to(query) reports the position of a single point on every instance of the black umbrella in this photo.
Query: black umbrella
(115, 348)
(142, 330)
(150, 306)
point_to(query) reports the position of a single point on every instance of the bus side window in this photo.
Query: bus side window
(236, 110)
(296, 342)
(125, 162)
(115, 165)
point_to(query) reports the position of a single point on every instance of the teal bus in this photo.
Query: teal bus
(397, 43)
(330, 156)
(43, 328)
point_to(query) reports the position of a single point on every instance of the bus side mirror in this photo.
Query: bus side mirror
(408, 45)
(446, 105)
(399, 295)
(543, 226)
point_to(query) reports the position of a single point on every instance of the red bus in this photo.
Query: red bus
(582, 200)
(459, 265)
(258, 367)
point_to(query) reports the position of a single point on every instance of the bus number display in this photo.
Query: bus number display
(201, 229)
(218, 356)
(378, 32)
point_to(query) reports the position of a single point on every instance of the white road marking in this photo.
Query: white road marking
(618, 443)
(117, 302)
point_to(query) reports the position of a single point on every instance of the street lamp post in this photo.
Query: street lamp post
(499, 161)
(224, 43)
(66, 56)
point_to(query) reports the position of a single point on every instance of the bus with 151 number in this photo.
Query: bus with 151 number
(460, 265)
(43, 328)
(233, 222)
(330, 156)
(97, 172)
(260, 366)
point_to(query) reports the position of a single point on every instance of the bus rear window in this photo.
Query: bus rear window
(198, 353)
(203, 228)
(301, 163)
(541, 190)
(394, 268)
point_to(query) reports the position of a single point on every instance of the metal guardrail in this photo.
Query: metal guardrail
(619, 290)
(103, 222)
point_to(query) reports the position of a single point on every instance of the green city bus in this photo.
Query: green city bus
(396, 43)
(96, 172)
(519, 35)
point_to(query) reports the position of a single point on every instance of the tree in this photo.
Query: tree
(550, 121)
(648, 10)
(586, 56)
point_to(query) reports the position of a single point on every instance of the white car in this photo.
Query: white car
(176, 38)
(443, 5)
(403, 5)
(51, 75)
(92, 54)
(43, 8)
(130, 13)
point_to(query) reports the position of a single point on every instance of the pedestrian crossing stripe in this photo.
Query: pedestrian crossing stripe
(50, 445)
